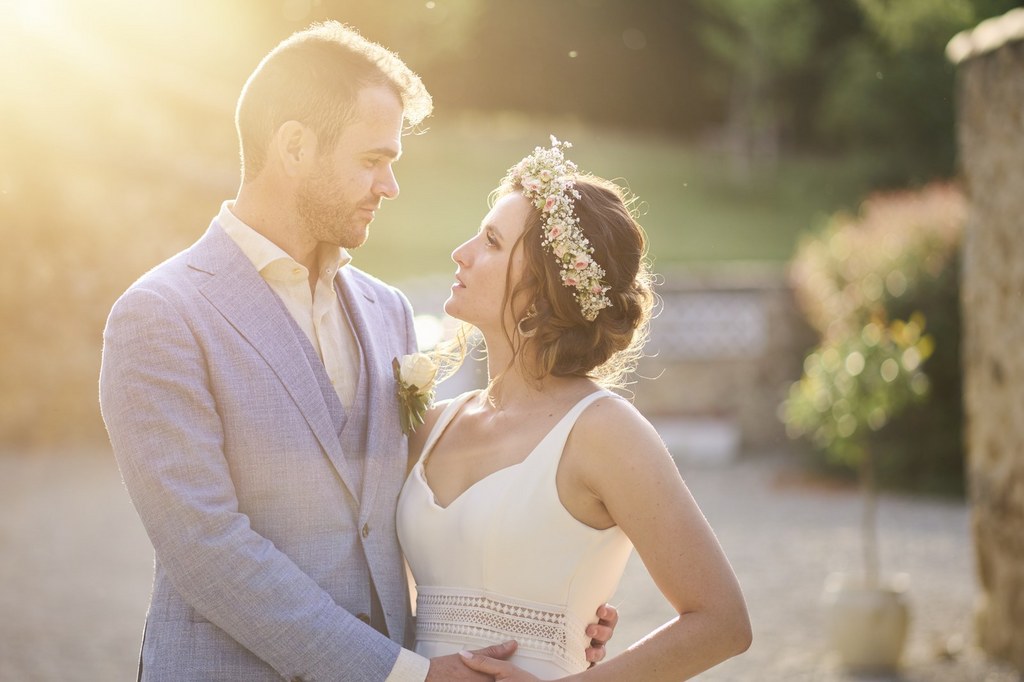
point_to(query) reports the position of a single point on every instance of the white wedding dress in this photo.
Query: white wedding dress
(505, 560)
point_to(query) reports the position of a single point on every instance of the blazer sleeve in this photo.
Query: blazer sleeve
(162, 420)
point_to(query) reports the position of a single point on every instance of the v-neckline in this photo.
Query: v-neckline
(435, 436)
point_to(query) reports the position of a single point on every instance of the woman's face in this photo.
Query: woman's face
(483, 266)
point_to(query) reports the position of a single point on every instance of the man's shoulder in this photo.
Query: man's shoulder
(166, 277)
(366, 279)
(174, 279)
(212, 251)
(375, 286)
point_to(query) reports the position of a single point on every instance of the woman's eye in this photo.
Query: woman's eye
(491, 241)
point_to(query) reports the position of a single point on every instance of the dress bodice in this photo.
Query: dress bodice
(506, 560)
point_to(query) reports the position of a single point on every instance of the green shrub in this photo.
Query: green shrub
(870, 284)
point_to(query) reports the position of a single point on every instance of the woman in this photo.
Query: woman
(527, 497)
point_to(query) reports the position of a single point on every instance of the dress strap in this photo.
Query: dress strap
(554, 441)
(586, 401)
(442, 422)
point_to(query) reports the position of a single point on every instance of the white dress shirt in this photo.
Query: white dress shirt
(318, 313)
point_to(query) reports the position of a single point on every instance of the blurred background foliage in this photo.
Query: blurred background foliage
(877, 385)
(741, 124)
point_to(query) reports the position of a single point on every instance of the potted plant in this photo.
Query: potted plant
(853, 384)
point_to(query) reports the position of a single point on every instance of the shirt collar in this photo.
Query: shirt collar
(262, 252)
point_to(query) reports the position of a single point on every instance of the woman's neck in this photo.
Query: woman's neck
(511, 385)
(507, 380)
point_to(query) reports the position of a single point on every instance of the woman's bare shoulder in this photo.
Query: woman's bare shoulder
(609, 415)
(614, 428)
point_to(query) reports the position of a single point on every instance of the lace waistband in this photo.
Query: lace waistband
(443, 614)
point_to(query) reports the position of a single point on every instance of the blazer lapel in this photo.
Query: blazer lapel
(251, 307)
(382, 436)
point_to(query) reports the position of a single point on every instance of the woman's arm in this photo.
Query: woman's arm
(631, 473)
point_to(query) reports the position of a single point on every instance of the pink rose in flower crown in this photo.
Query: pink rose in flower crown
(531, 184)
(555, 231)
(570, 279)
(550, 203)
(581, 261)
(597, 289)
(546, 175)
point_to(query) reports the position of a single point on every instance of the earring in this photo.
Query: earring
(530, 314)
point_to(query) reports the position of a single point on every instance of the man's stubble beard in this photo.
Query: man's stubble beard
(335, 223)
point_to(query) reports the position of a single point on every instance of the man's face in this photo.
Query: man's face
(337, 202)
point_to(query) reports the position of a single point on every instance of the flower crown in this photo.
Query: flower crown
(548, 180)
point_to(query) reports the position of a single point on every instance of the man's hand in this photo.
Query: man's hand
(495, 669)
(601, 631)
(445, 668)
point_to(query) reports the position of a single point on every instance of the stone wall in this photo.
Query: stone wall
(991, 138)
(726, 346)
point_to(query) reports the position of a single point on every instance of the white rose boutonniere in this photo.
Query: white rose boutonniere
(415, 375)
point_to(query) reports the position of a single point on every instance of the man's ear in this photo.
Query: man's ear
(295, 147)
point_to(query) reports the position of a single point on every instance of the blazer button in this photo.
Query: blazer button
(366, 530)
(365, 617)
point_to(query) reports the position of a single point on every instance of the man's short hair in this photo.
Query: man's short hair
(314, 76)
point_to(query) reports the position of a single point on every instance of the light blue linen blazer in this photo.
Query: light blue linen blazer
(265, 545)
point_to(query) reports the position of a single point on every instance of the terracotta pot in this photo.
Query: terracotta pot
(866, 627)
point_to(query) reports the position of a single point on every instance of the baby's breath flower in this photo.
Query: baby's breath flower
(548, 180)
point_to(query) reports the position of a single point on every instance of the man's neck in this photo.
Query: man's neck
(269, 213)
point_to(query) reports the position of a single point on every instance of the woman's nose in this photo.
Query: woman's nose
(459, 255)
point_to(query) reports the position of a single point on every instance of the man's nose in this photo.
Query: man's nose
(387, 184)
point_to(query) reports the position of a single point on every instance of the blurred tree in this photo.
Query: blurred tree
(632, 64)
(889, 87)
(912, 23)
(421, 31)
(761, 41)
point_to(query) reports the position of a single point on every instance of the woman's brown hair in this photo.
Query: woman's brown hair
(552, 336)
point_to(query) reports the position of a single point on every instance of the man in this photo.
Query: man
(247, 389)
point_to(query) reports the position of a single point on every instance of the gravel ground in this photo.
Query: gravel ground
(75, 572)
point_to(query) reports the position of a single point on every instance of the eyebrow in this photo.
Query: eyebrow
(385, 151)
(493, 228)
